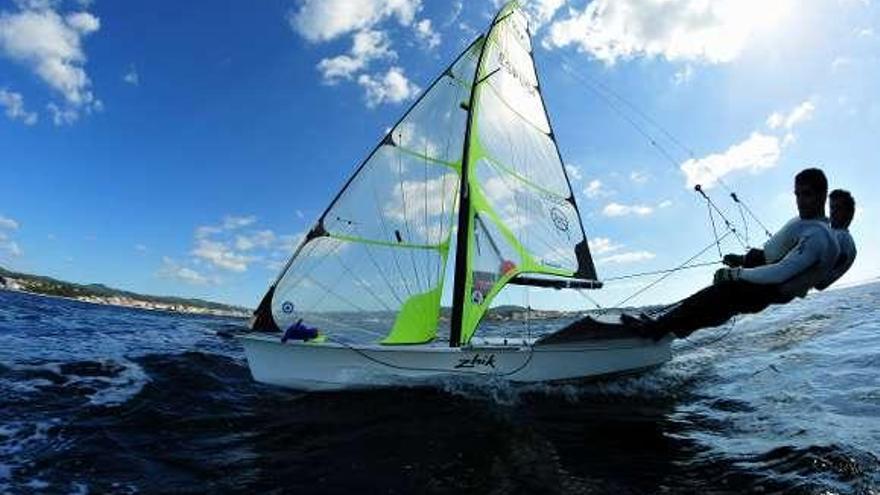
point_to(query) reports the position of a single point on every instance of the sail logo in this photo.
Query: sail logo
(505, 62)
(476, 361)
(287, 307)
(560, 220)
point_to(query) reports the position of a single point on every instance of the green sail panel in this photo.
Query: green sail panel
(523, 215)
(373, 268)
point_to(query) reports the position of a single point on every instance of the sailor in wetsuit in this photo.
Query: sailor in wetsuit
(796, 259)
(843, 208)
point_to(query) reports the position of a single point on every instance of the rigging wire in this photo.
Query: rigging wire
(714, 230)
(666, 275)
(699, 189)
(745, 224)
(749, 211)
(590, 299)
(658, 272)
(611, 98)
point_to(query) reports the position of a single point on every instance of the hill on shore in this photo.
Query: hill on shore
(99, 293)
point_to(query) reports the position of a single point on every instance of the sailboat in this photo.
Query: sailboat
(470, 180)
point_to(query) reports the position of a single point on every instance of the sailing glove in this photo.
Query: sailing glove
(727, 275)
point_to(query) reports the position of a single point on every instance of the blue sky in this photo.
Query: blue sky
(182, 147)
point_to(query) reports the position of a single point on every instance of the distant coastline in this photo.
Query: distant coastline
(101, 294)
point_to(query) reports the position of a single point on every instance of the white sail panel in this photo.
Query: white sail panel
(543, 223)
(517, 146)
(399, 199)
(373, 267)
(518, 171)
(510, 72)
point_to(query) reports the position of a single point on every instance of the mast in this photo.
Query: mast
(464, 207)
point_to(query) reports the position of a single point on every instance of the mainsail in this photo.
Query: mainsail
(473, 161)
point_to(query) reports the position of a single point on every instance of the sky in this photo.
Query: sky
(182, 148)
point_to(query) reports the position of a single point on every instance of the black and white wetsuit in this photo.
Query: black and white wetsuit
(845, 258)
(799, 257)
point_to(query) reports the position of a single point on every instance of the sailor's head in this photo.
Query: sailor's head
(810, 189)
(843, 207)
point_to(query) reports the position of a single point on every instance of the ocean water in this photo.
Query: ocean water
(97, 399)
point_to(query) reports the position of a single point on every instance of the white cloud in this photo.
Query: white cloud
(426, 34)
(339, 67)
(8, 223)
(392, 87)
(683, 75)
(574, 172)
(595, 189)
(602, 245)
(171, 269)
(797, 115)
(231, 222)
(14, 104)
(541, 12)
(220, 255)
(231, 247)
(714, 31)
(367, 45)
(51, 45)
(620, 210)
(260, 239)
(10, 247)
(62, 116)
(627, 257)
(865, 33)
(83, 22)
(638, 177)
(131, 76)
(756, 153)
(664, 204)
(457, 7)
(207, 230)
(324, 20)
(775, 120)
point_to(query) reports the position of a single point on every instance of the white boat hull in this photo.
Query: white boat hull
(336, 366)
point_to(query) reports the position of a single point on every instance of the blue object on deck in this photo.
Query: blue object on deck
(298, 331)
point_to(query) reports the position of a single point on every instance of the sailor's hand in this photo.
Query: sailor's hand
(755, 257)
(733, 260)
(727, 275)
